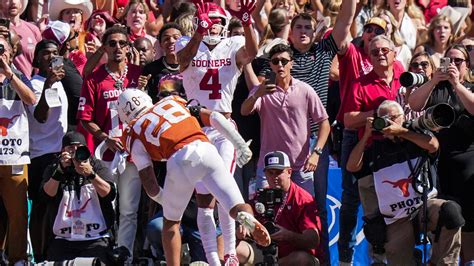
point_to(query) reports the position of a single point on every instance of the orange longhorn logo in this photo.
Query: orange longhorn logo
(402, 184)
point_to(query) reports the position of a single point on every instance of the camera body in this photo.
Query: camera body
(380, 123)
(266, 200)
(269, 198)
(81, 154)
(5, 23)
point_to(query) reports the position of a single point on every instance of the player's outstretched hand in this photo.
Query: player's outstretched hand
(202, 11)
(244, 154)
(245, 12)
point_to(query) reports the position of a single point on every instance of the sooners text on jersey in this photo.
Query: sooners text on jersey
(211, 76)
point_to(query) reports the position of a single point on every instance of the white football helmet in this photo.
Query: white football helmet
(221, 18)
(132, 103)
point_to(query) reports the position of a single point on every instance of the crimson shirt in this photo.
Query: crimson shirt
(352, 65)
(370, 91)
(98, 101)
(432, 9)
(298, 214)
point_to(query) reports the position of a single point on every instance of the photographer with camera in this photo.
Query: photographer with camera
(395, 179)
(289, 213)
(420, 70)
(456, 161)
(79, 187)
(15, 97)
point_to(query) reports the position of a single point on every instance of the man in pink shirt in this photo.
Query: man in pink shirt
(285, 109)
(30, 34)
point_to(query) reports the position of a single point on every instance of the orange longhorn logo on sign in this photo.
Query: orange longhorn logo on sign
(5, 123)
(402, 184)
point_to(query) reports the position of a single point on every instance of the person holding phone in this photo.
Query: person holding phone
(456, 160)
(16, 96)
(29, 32)
(301, 103)
(48, 124)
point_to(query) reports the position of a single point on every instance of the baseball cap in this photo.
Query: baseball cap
(276, 160)
(57, 31)
(73, 138)
(377, 21)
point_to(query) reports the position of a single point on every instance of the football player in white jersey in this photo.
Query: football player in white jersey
(211, 64)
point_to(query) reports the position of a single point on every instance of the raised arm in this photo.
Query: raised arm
(26, 95)
(186, 55)
(420, 96)
(342, 28)
(42, 111)
(247, 53)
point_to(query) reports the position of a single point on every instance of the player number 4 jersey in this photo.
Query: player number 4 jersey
(211, 77)
(164, 129)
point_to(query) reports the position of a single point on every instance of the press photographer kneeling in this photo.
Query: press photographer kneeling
(80, 190)
(296, 225)
(394, 171)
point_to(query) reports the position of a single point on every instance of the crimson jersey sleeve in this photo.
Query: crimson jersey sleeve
(86, 106)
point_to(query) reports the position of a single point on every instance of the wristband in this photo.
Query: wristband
(318, 151)
(58, 174)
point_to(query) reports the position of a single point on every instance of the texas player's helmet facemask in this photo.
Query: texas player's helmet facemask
(220, 18)
(132, 103)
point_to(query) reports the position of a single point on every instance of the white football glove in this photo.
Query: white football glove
(226, 128)
(244, 154)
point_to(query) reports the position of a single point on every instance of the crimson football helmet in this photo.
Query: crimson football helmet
(220, 17)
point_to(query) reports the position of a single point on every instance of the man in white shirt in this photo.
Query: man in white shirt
(47, 123)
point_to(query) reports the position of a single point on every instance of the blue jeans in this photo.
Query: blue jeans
(188, 234)
(320, 194)
(349, 201)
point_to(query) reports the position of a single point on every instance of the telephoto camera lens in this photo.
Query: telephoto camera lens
(434, 119)
(380, 123)
(410, 79)
(82, 153)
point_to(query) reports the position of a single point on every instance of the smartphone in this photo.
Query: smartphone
(5, 23)
(444, 63)
(57, 62)
(271, 78)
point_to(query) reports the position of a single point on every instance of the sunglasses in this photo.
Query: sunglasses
(457, 61)
(276, 61)
(376, 30)
(469, 47)
(121, 43)
(376, 51)
(423, 64)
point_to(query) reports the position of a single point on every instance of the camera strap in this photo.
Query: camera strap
(282, 206)
(453, 100)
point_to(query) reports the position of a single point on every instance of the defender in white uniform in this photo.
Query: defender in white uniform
(211, 64)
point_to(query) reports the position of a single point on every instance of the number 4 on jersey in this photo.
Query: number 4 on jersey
(210, 82)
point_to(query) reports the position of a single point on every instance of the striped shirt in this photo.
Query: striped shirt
(313, 68)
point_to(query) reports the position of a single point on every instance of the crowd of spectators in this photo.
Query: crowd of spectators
(303, 79)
